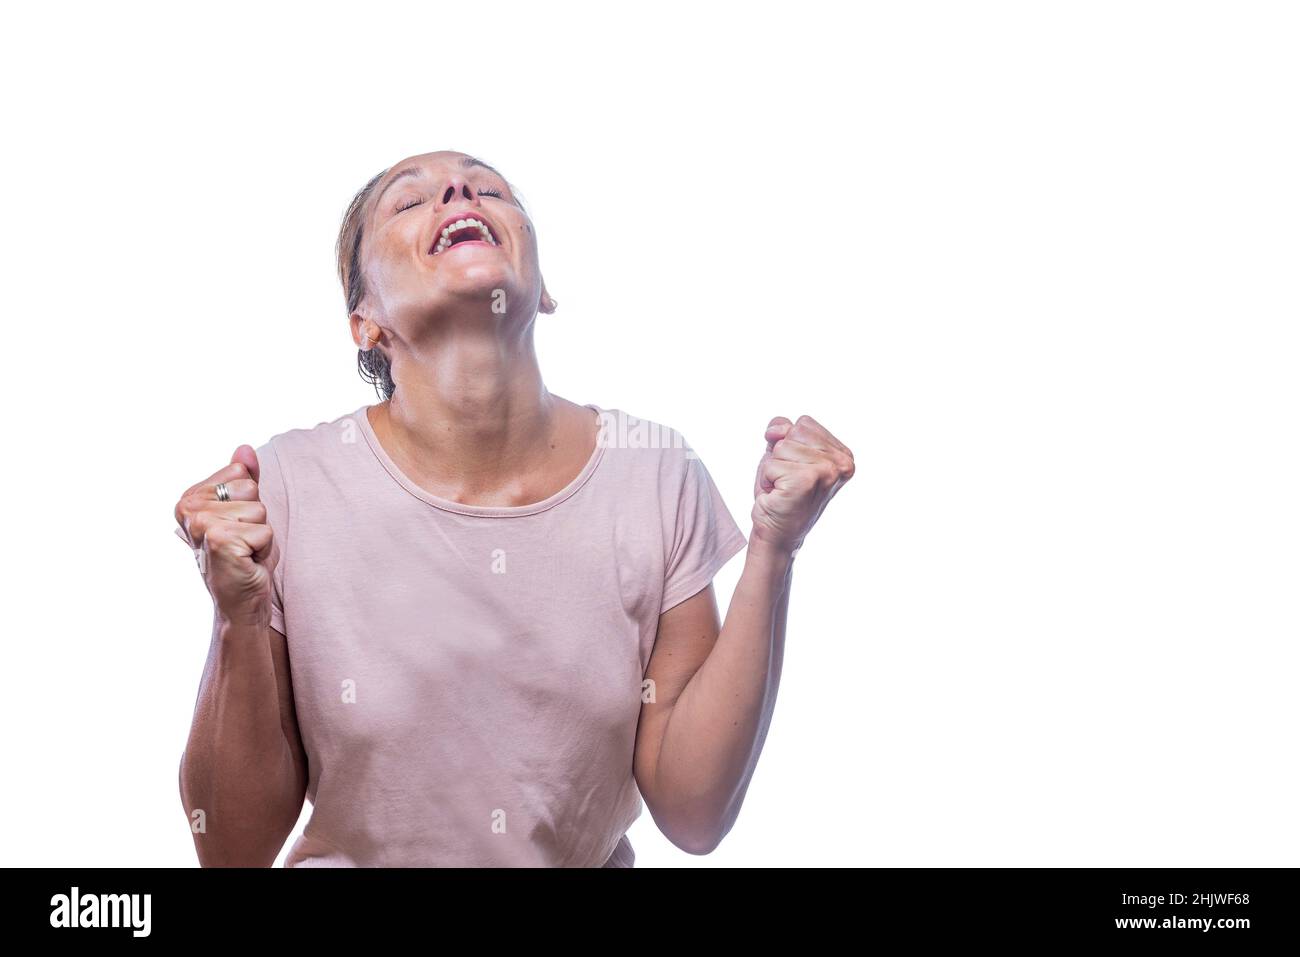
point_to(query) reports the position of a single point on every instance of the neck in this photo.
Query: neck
(469, 411)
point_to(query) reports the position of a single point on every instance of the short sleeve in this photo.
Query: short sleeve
(700, 534)
(272, 489)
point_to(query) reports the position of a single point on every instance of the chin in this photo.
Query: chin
(491, 287)
(475, 278)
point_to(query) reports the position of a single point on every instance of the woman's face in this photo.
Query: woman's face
(421, 267)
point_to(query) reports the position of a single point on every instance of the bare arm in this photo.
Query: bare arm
(698, 742)
(243, 776)
(244, 764)
(715, 689)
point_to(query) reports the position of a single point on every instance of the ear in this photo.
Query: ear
(546, 304)
(365, 331)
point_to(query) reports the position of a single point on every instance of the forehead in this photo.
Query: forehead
(423, 164)
(435, 160)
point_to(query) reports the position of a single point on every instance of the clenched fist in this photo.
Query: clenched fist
(803, 468)
(238, 550)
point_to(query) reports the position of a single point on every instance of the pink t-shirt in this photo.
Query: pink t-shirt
(468, 679)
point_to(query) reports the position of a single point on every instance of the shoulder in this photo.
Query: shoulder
(320, 443)
(644, 443)
(622, 430)
(321, 437)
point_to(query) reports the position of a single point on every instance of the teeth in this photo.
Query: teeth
(470, 223)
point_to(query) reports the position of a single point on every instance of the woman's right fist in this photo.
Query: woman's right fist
(237, 546)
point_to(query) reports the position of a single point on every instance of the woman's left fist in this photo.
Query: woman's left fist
(803, 468)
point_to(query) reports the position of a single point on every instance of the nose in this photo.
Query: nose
(457, 186)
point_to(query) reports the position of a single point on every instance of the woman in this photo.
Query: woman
(474, 623)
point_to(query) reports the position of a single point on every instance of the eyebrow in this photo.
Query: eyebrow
(466, 163)
(469, 161)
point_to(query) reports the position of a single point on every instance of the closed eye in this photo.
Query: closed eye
(487, 191)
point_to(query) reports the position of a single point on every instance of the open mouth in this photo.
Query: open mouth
(460, 230)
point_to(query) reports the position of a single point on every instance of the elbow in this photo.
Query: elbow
(694, 818)
(182, 787)
(699, 842)
(257, 833)
(697, 833)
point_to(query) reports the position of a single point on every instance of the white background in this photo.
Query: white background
(1035, 263)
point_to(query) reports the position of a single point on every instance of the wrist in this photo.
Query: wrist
(238, 622)
(772, 559)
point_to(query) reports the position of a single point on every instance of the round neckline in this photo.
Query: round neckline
(486, 511)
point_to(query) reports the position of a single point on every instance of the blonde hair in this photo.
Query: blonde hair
(372, 364)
